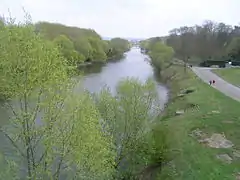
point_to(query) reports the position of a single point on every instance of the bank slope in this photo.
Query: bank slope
(208, 111)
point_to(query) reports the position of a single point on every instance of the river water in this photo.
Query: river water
(134, 64)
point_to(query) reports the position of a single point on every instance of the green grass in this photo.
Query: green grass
(231, 75)
(190, 159)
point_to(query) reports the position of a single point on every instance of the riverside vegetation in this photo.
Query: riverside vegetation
(79, 45)
(56, 133)
(206, 111)
(208, 41)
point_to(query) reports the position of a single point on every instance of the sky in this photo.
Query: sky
(125, 18)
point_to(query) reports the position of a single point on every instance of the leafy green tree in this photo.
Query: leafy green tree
(64, 43)
(233, 49)
(54, 131)
(118, 47)
(144, 44)
(161, 55)
(152, 41)
(8, 169)
(66, 46)
(98, 50)
(202, 42)
(106, 46)
(86, 41)
(127, 117)
(83, 46)
(53, 30)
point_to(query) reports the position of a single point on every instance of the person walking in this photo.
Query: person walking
(213, 82)
(210, 82)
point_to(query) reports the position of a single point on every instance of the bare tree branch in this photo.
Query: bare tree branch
(13, 143)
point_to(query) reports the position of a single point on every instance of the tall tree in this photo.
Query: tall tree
(83, 46)
(118, 46)
(161, 55)
(233, 49)
(53, 130)
(127, 117)
(202, 42)
(98, 49)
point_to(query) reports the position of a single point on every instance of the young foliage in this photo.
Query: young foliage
(127, 117)
(118, 47)
(98, 53)
(83, 46)
(161, 55)
(66, 47)
(55, 132)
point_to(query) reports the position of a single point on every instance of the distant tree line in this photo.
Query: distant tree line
(79, 45)
(209, 41)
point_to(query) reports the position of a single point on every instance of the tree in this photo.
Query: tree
(98, 50)
(202, 42)
(66, 47)
(161, 55)
(152, 41)
(53, 30)
(106, 46)
(118, 47)
(86, 41)
(127, 117)
(53, 130)
(83, 46)
(233, 49)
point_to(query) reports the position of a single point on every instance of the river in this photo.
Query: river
(134, 64)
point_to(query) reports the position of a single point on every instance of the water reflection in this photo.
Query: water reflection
(134, 64)
(89, 69)
(94, 78)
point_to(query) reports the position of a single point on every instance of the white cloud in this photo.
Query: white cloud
(126, 18)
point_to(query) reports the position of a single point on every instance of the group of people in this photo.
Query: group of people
(212, 82)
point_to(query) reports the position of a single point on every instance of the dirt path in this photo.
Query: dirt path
(223, 86)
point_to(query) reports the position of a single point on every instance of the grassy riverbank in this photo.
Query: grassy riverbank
(231, 75)
(212, 112)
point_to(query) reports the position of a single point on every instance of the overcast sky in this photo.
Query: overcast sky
(126, 18)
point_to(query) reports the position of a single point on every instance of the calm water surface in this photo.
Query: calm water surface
(134, 64)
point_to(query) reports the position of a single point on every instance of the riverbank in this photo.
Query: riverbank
(110, 59)
(205, 111)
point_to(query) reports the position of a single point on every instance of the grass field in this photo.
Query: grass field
(231, 75)
(192, 160)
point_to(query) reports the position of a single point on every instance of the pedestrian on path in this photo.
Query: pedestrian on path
(213, 82)
(210, 82)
